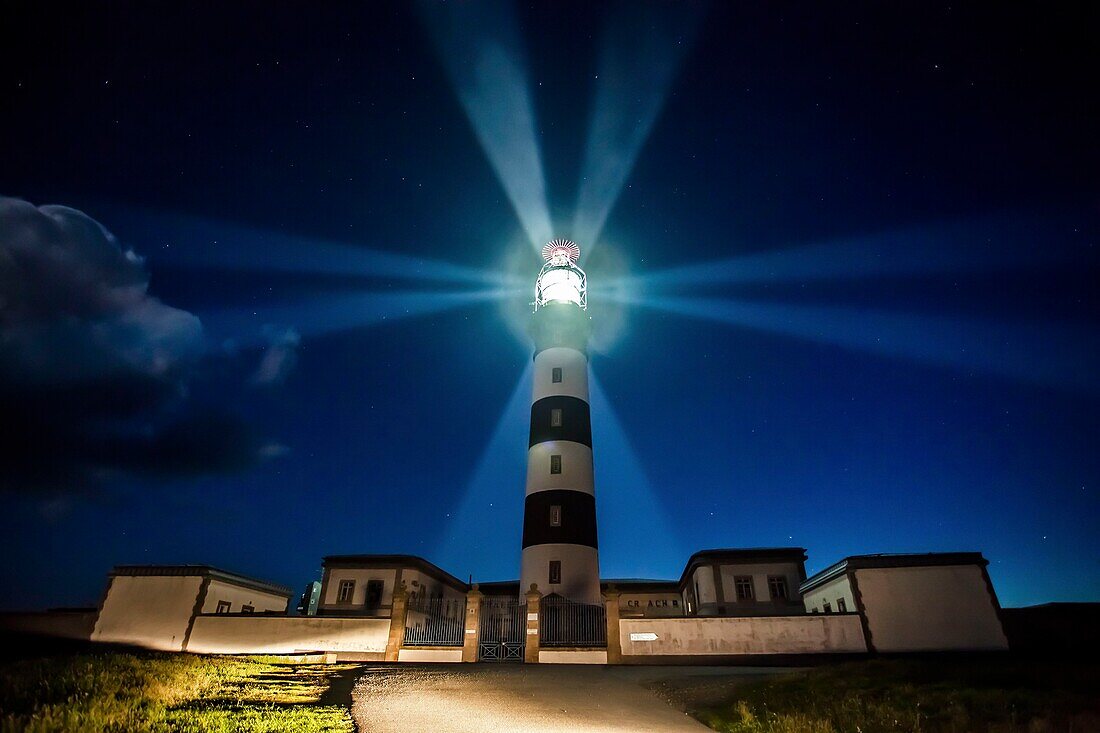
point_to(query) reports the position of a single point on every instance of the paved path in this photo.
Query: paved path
(532, 698)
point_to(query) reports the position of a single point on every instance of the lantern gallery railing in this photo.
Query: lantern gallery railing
(568, 623)
(435, 622)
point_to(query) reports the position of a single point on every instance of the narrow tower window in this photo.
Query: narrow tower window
(555, 464)
(347, 589)
(555, 572)
(555, 375)
(555, 417)
(555, 515)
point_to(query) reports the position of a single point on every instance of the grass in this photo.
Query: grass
(116, 691)
(917, 696)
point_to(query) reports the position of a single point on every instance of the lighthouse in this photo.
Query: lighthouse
(559, 517)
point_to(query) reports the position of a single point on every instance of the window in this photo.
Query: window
(555, 515)
(555, 375)
(555, 417)
(347, 590)
(841, 605)
(374, 593)
(743, 585)
(555, 464)
(223, 607)
(555, 572)
(777, 587)
(814, 610)
(248, 609)
(827, 607)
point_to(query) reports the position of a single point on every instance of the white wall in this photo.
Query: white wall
(580, 570)
(287, 634)
(759, 573)
(703, 579)
(239, 596)
(360, 576)
(574, 373)
(576, 467)
(837, 588)
(151, 611)
(929, 608)
(744, 635)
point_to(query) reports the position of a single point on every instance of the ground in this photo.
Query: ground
(533, 698)
(93, 689)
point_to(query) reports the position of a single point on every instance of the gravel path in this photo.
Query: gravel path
(532, 698)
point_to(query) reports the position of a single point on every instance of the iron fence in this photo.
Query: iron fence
(567, 623)
(435, 622)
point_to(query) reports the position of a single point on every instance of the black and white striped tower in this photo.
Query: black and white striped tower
(559, 517)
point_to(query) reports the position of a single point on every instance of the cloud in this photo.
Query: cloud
(280, 356)
(94, 371)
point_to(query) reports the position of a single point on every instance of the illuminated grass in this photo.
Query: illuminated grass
(911, 696)
(162, 692)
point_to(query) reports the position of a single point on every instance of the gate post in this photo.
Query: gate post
(398, 611)
(531, 650)
(472, 625)
(611, 606)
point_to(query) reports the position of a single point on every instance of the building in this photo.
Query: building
(363, 585)
(155, 606)
(559, 554)
(910, 603)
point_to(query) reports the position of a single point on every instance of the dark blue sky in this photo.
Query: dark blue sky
(922, 380)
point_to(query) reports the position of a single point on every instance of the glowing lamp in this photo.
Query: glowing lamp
(561, 280)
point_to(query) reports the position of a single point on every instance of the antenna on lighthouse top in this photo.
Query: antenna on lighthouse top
(561, 248)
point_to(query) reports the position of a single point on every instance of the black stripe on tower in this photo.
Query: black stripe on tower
(578, 518)
(576, 422)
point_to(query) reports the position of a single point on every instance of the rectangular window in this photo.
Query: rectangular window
(248, 609)
(743, 585)
(555, 515)
(777, 587)
(555, 572)
(555, 417)
(347, 590)
(374, 593)
(555, 464)
(223, 607)
(841, 605)
(827, 607)
(556, 375)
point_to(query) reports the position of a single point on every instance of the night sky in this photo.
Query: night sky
(846, 298)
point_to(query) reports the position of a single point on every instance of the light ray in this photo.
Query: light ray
(250, 326)
(978, 244)
(644, 45)
(479, 45)
(1055, 355)
(483, 537)
(188, 241)
(636, 538)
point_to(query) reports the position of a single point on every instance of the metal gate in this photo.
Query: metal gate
(568, 623)
(503, 632)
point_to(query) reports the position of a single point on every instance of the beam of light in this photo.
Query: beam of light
(246, 327)
(636, 539)
(979, 244)
(644, 45)
(187, 241)
(480, 48)
(483, 537)
(1053, 355)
